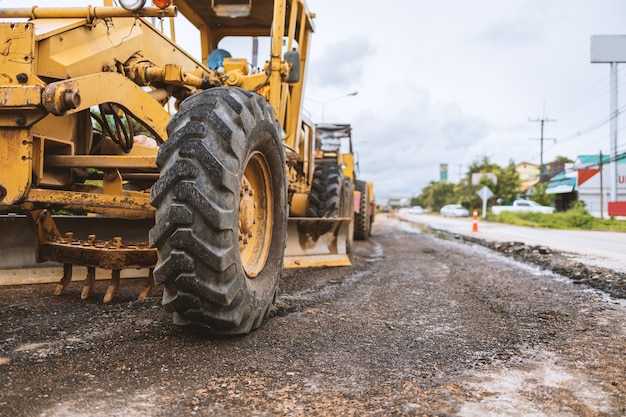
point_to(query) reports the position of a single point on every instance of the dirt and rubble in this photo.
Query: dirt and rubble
(603, 279)
(417, 326)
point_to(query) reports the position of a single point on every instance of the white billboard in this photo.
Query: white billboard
(608, 48)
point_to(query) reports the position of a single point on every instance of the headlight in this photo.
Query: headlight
(162, 4)
(132, 5)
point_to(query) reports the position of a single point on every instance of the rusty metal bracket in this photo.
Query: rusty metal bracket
(114, 255)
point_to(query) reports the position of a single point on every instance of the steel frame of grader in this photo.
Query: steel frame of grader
(61, 63)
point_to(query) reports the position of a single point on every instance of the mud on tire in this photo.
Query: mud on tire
(362, 219)
(221, 211)
(347, 209)
(326, 191)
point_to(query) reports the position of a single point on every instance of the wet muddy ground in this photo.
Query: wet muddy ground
(418, 326)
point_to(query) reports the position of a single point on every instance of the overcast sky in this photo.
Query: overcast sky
(454, 81)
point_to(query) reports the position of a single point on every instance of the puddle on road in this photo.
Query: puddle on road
(411, 227)
(119, 403)
(539, 388)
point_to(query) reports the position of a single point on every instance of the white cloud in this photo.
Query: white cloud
(523, 24)
(454, 81)
(400, 148)
(341, 63)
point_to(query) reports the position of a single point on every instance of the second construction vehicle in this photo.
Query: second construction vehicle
(334, 141)
(227, 186)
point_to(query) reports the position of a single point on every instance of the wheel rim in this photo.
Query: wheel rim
(256, 202)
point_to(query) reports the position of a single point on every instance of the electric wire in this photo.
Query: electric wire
(598, 89)
(594, 126)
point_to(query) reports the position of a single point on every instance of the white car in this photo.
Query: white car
(522, 206)
(417, 210)
(454, 210)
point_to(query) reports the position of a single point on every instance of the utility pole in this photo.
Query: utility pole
(601, 188)
(543, 121)
(611, 49)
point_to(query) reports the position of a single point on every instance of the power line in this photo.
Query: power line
(585, 96)
(595, 125)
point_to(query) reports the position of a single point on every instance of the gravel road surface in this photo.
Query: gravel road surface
(417, 326)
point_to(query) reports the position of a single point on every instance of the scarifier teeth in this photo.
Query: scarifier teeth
(90, 280)
(65, 280)
(114, 244)
(113, 286)
(149, 285)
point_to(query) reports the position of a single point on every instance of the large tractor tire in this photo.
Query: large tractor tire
(362, 219)
(347, 209)
(326, 191)
(221, 212)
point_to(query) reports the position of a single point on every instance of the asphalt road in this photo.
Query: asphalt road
(417, 326)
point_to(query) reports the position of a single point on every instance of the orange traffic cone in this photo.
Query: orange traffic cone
(475, 221)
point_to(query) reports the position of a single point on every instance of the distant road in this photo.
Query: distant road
(605, 249)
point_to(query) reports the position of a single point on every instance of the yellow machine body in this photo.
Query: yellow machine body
(63, 68)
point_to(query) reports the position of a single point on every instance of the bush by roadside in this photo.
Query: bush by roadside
(577, 218)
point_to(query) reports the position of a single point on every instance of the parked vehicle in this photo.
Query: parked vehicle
(417, 210)
(523, 206)
(454, 210)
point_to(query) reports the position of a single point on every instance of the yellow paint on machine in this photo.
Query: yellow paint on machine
(315, 242)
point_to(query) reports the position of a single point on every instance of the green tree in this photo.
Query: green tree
(505, 188)
(435, 195)
(539, 195)
(563, 159)
(508, 188)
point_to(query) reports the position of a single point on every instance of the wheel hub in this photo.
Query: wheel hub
(256, 203)
(247, 207)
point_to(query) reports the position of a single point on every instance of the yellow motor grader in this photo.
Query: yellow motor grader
(335, 140)
(126, 154)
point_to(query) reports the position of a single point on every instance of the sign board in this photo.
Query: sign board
(485, 193)
(476, 177)
(329, 137)
(617, 208)
(608, 48)
(443, 172)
